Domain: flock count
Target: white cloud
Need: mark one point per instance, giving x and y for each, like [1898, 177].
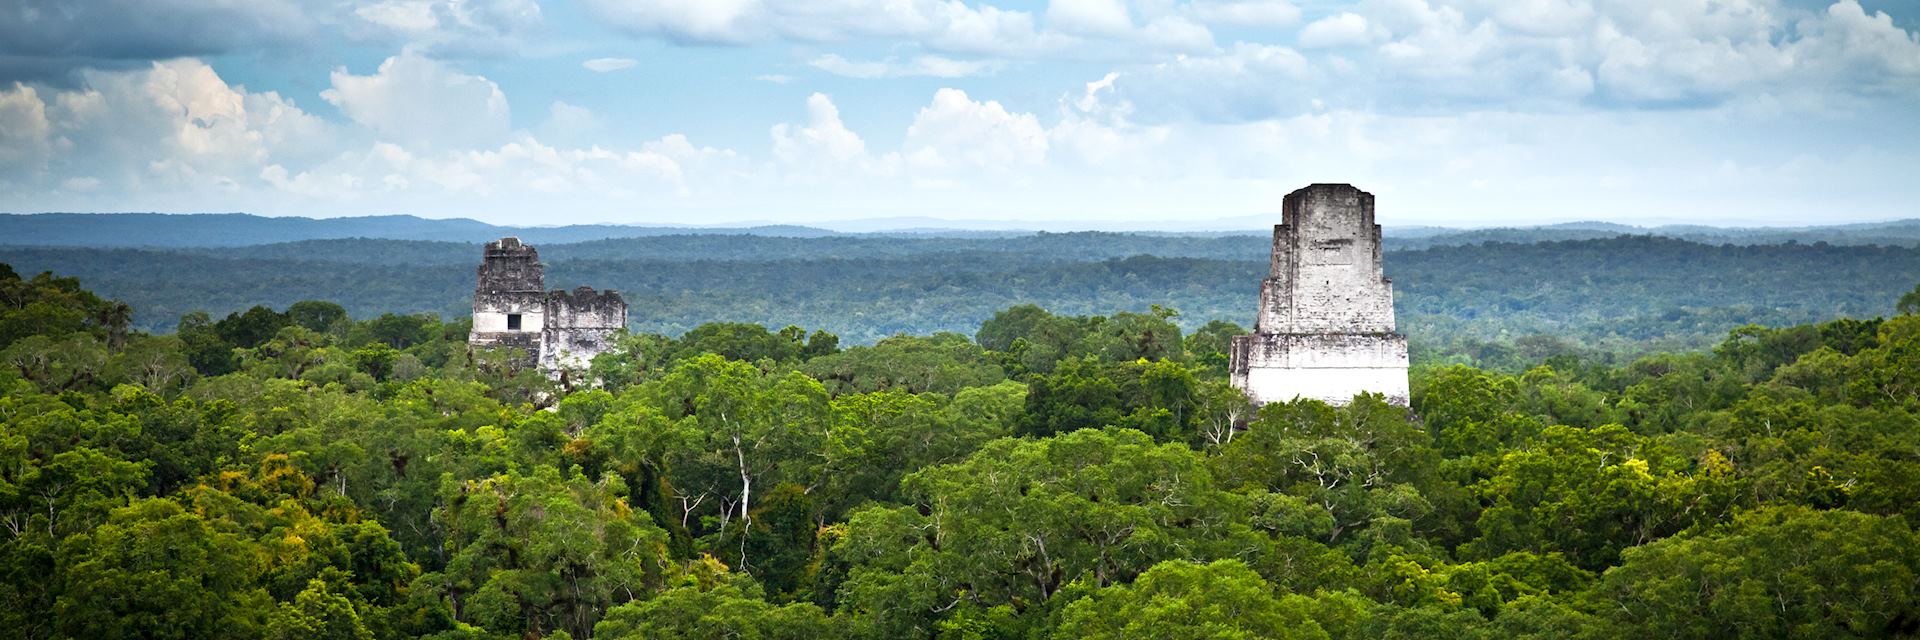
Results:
[178, 124]
[929, 66]
[24, 131]
[66, 33]
[686, 21]
[171, 126]
[447, 21]
[604, 65]
[956, 131]
[1176, 34]
[48, 38]
[1527, 55]
[1098, 133]
[823, 138]
[1102, 29]
[944, 24]
[1248, 82]
[1855, 46]
[568, 123]
[1339, 30]
[176, 136]
[1544, 102]
[683, 152]
[1090, 17]
[521, 170]
[1250, 13]
[416, 100]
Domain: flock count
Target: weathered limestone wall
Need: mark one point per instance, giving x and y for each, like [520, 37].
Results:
[1325, 328]
[1326, 274]
[581, 324]
[558, 329]
[1330, 368]
[510, 280]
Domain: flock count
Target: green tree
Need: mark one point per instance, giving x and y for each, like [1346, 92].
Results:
[1588, 494]
[745, 432]
[1771, 573]
[54, 306]
[944, 363]
[210, 354]
[1019, 520]
[728, 611]
[158, 363]
[1211, 346]
[157, 571]
[318, 316]
[69, 363]
[545, 551]
[247, 330]
[396, 330]
[1157, 397]
[1180, 600]
[740, 341]
[317, 614]
[1360, 463]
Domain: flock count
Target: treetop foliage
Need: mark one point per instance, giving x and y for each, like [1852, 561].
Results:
[300, 473]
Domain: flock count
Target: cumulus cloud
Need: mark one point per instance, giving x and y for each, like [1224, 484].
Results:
[174, 125]
[24, 131]
[454, 26]
[1097, 132]
[176, 136]
[1073, 28]
[1250, 13]
[1528, 55]
[570, 123]
[1090, 17]
[957, 131]
[1248, 82]
[685, 21]
[604, 65]
[929, 66]
[954, 140]
[1175, 34]
[1339, 30]
[84, 32]
[45, 39]
[520, 170]
[823, 138]
[1423, 98]
[420, 101]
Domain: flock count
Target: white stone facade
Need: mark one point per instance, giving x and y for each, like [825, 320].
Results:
[1325, 328]
[556, 330]
[581, 324]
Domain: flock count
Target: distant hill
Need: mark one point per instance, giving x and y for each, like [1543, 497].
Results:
[228, 230]
[1899, 233]
[169, 230]
[1621, 293]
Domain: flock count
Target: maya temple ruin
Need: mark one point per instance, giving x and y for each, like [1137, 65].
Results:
[556, 330]
[1324, 330]
[1325, 327]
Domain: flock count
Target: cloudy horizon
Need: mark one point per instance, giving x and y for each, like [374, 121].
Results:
[519, 112]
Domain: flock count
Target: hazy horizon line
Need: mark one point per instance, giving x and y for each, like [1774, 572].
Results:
[913, 223]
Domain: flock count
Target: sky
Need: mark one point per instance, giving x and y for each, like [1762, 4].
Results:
[538, 112]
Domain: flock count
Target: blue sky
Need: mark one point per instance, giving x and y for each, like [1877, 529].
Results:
[1455, 112]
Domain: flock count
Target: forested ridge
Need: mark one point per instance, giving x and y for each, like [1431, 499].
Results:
[1497, 305]
[292, 472]
[227, 230]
